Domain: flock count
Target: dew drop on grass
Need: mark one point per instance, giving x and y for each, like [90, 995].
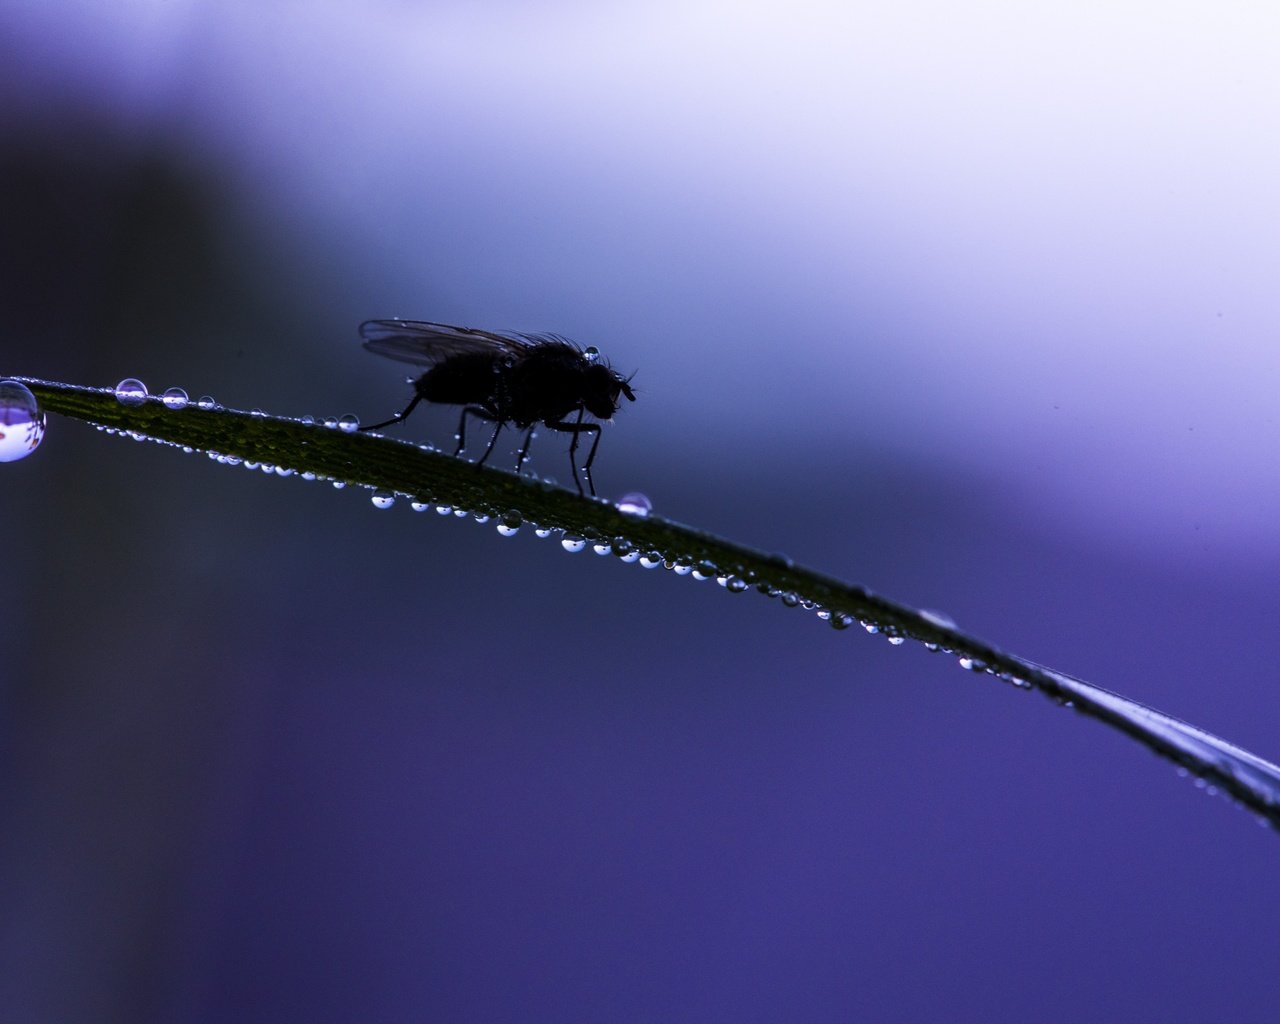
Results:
[206, 402]
[131, 391]
[381, 499]
[736, 584]
[444, 510]
[349, 423]
[634, 504]
[841, 620]
[939, 619]
[572, 544]
[419, 506]
[174, 398]
[509, 524]
[651, 561]
[602, 548]
[21, 421]
[542, 532]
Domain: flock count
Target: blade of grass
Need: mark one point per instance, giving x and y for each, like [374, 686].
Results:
[397, 467]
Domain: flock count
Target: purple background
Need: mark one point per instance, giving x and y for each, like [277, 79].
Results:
[975, 305]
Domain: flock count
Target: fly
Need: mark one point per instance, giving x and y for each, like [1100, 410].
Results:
[521, 379]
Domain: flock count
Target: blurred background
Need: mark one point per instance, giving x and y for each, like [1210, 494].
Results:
[973, 304]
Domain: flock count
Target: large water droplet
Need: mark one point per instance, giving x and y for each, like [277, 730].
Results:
[418, 505]
[174, 398]
[939, 619]
[572, 544]
[634, 504]
[381, 499]
[841, 620]
[206, 402]
[651, 561]
[349, 423]
[509, 524]
[735, 584]
[131, 391]
[602, 547]
[21, 421]
[591, 354]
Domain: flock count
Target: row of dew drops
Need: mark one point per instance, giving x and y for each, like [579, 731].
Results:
[22, 426]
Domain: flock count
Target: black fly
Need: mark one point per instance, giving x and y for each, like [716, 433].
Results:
[524, 379]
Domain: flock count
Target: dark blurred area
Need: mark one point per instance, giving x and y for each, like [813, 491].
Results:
[268, 753]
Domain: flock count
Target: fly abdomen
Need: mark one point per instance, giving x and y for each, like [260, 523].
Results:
[469, 379]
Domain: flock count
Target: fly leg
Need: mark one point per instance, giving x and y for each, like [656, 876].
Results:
[483, 414]
[397, 417]
[577, 429]
[524, 450]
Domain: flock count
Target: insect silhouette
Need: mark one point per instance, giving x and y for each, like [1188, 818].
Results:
[522, 379]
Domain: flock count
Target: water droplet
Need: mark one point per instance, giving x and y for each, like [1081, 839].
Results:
[349, 423]
[383, 500]
[681, 570]
[308, 421]
[21, 421]
[509, 524]
[257, 414]
[591, 354]
[572, 544]
[602, 548]
[939, 619]
[131, 391]
[736, 585]
[460, 513]
[897, 641]
[419, 506]
[174, 398]
[629, 557]
[284, 471]
[634, 504]
[651, 561]
[339, 484]
[824, 614]
[871, 628]
[330, 423]
[973, 664]
[542, 532]
[790, 599]
[481, 517]
[206, 403]
[841, 620]
[250, 464]
[444, 510]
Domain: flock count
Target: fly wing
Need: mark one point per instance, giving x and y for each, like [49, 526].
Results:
[425, 344]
